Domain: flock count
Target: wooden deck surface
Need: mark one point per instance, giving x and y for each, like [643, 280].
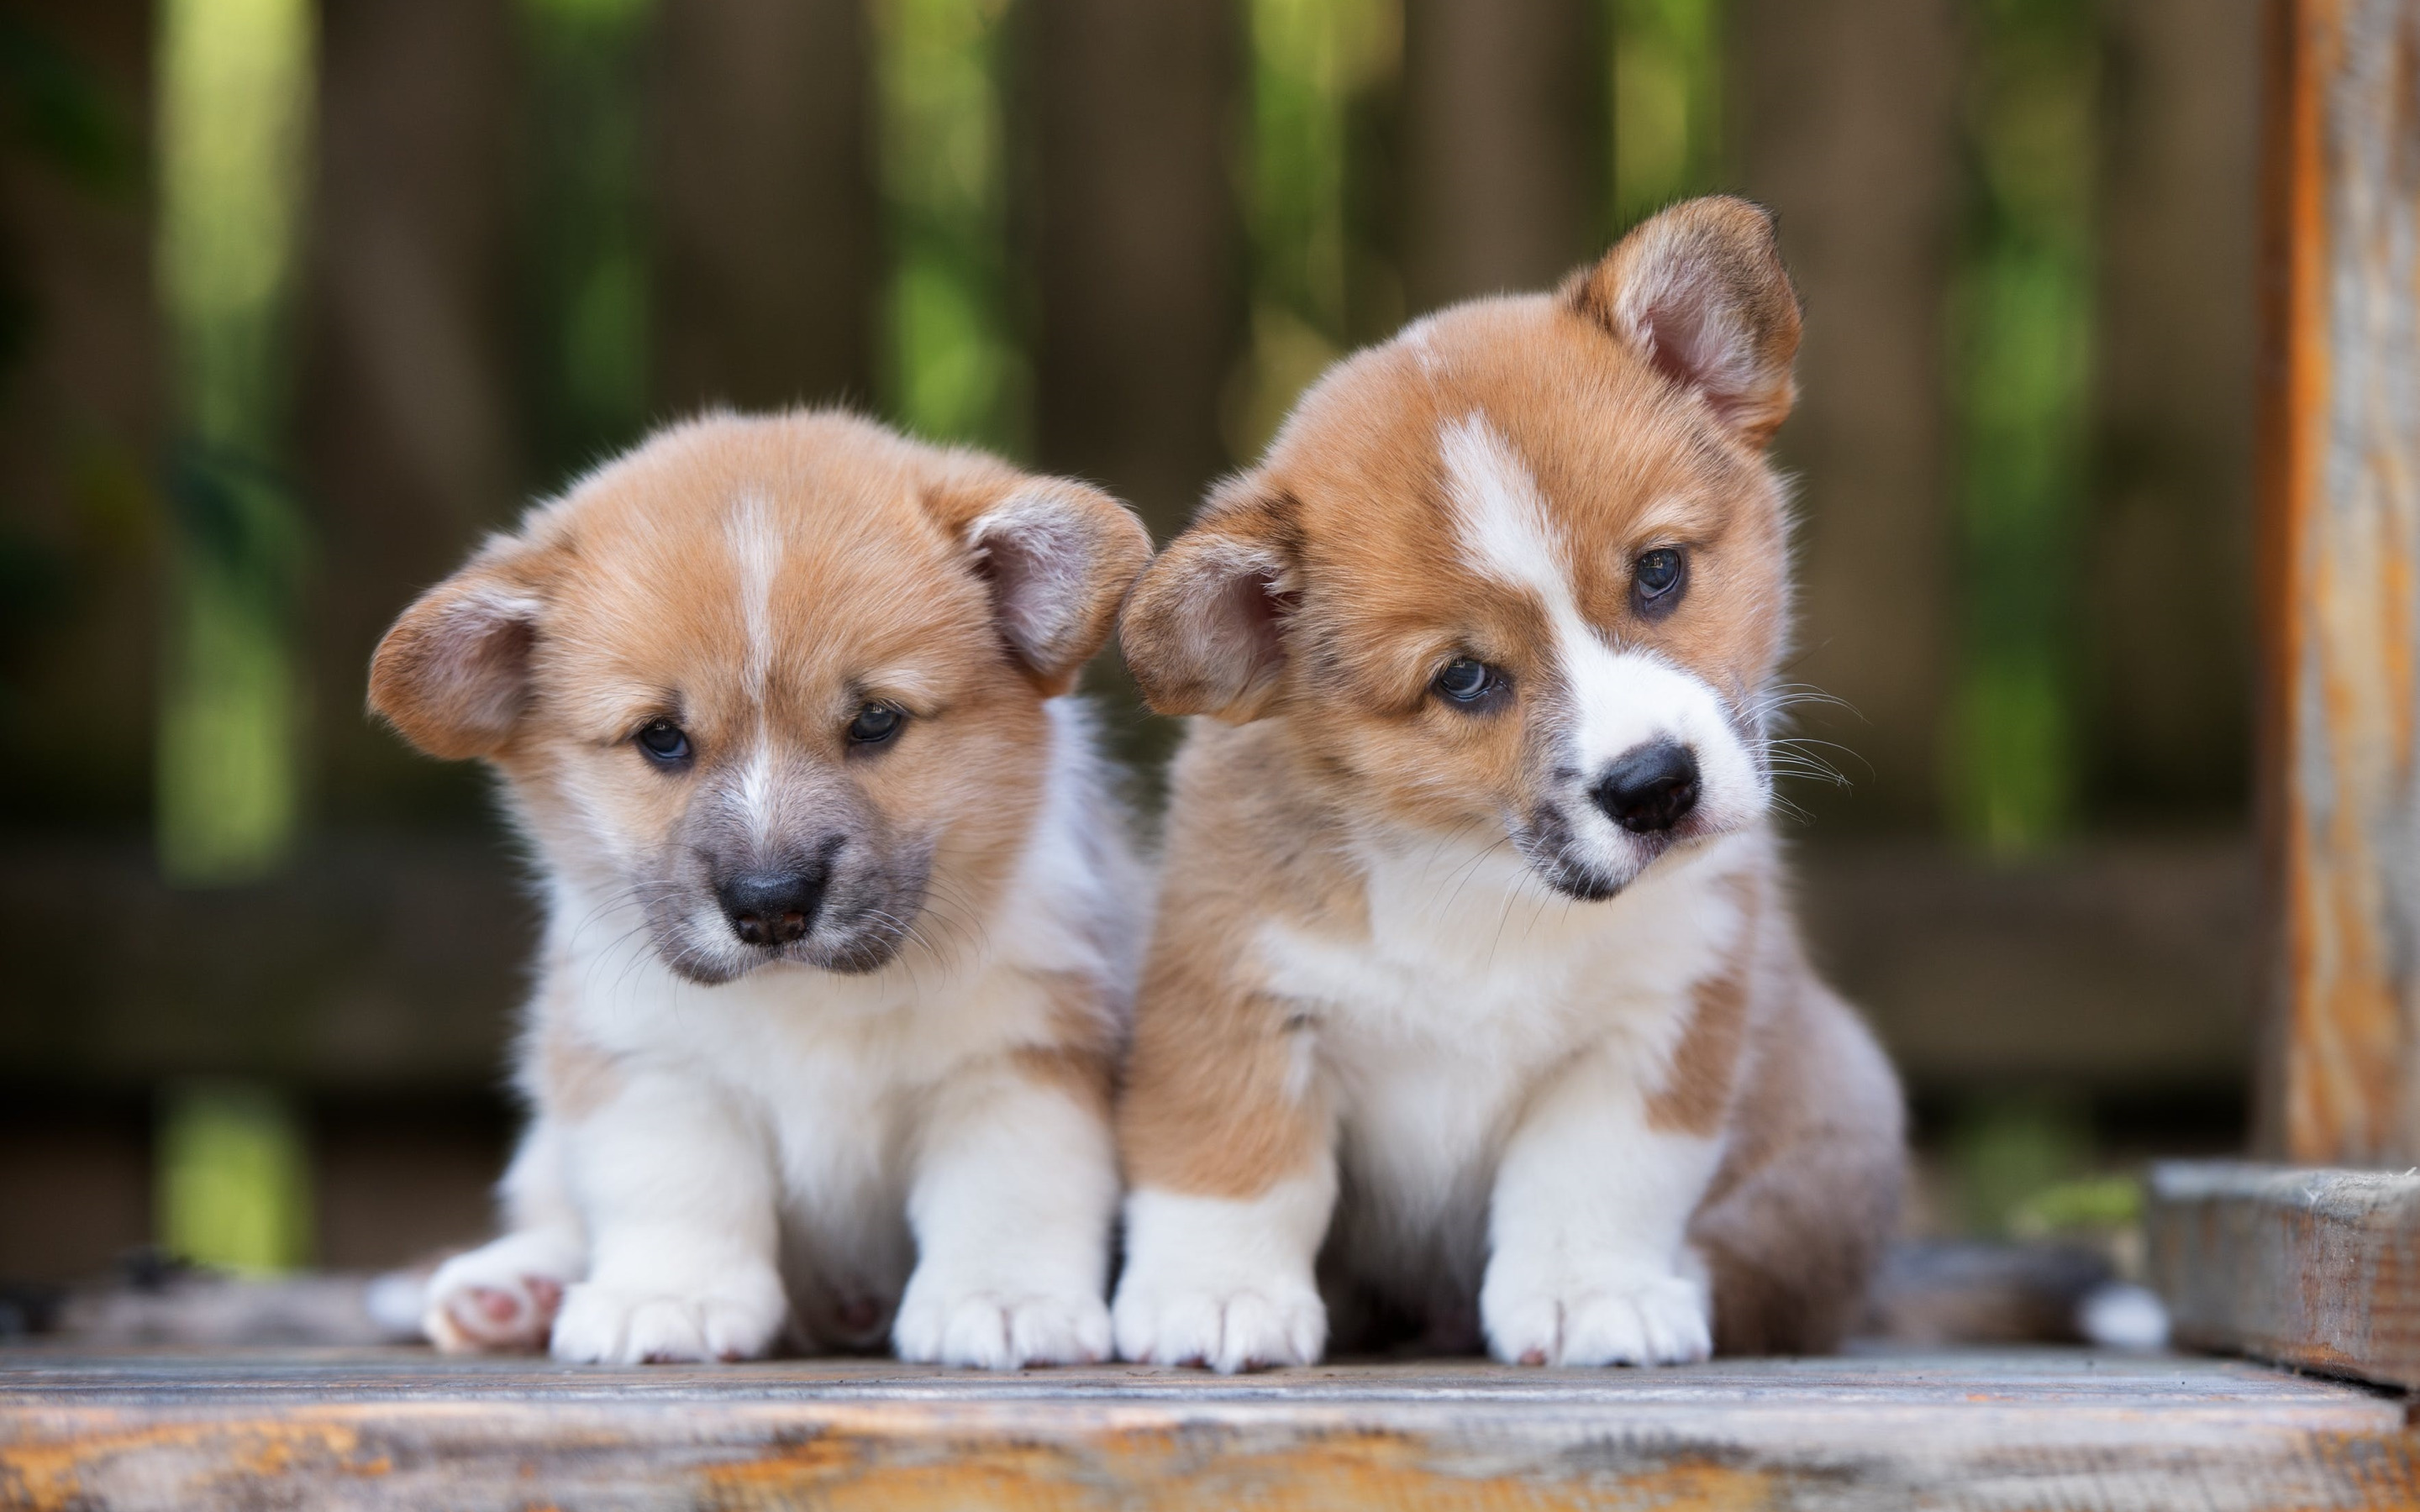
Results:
[404, 1430]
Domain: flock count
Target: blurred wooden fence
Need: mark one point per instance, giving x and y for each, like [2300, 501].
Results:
[1113, 239]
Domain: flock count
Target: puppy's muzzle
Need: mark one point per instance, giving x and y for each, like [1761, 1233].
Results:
[1649, 788]
[771, 909]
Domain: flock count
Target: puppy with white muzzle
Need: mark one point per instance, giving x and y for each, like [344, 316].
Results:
[839, 904]
[1475, 1011]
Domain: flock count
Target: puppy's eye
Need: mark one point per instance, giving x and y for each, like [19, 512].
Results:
[873, 724]
[664, 742]
[1467, 681]
[1657, 576]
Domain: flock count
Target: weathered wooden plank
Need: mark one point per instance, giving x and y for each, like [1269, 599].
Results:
[2318, 1269]
[2340, 551]
[408, 1431]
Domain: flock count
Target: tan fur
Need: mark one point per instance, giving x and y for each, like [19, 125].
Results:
[1224, 1125]
[1086, 1041]
[1696, 1095]
[1309, 607]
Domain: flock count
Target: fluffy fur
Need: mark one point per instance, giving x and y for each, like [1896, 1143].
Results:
[889, 1118]
[1428, 1043]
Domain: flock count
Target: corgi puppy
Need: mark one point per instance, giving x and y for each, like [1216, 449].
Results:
[837, 956]
[1475, 1000]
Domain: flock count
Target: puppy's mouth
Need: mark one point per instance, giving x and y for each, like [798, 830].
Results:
[1579, 869]
[851, 926]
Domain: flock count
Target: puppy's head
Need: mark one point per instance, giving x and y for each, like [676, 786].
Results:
[1524, 566]
[770, 682]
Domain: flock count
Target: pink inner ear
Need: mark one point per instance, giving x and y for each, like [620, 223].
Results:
[1249, 612]
[1039, 560]
[1680, 328]
[480, 659]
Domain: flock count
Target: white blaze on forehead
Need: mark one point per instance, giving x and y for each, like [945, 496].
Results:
[1509, 536]
[756, 542]
[1620, 698]
[1503, 516]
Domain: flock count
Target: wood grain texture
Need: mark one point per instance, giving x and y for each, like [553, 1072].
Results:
[405, 1430]
[2340, 557]
[2318, 1269]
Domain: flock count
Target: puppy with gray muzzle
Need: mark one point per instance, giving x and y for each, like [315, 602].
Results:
[839, 902]
[1475, 1009]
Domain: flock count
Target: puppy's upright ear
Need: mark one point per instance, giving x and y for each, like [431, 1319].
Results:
[1204, 632]
[1060, 557]
[1699, 292]
[453, 673]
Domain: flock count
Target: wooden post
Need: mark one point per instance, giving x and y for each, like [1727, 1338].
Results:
[2166, 715]
[2318, 1267]
[1501, 122]
[407, 419]
[2340, 568]
[1134, 242]
[764, 191]
[1847, 122]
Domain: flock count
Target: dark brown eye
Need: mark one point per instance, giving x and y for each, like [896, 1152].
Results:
[873, 724]
[1467, 681]
[664, 742]
[1657, 576]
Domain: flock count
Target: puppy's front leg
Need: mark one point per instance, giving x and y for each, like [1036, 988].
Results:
[1586, 1229]
[1014, 1187]
[677, 1188]
[1233, 1167]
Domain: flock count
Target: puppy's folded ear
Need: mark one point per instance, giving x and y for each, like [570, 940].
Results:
[1204, 631]
[452, 674]
[1699, 292]
[1060, 557]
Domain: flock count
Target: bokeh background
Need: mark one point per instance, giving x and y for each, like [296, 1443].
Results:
[298, 297]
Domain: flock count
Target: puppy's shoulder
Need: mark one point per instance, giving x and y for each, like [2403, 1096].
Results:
[1248, 831]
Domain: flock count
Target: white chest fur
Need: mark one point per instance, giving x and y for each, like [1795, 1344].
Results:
[1473, 986]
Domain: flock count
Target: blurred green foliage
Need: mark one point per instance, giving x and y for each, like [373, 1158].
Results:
[953, 366]
[2085, 1204]
[2004, 1152]
[236, 87]
[2022, 331]
[1667, 102]
[1320, 69]
[234, 1188]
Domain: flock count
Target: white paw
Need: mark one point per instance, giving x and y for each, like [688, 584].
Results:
[998, 1327]
[501, 1296]
[1595, 1319]
[735, 1318]
[1240, 1328]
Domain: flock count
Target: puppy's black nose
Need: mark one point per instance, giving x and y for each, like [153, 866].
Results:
[1651, 789]
[771, 907]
